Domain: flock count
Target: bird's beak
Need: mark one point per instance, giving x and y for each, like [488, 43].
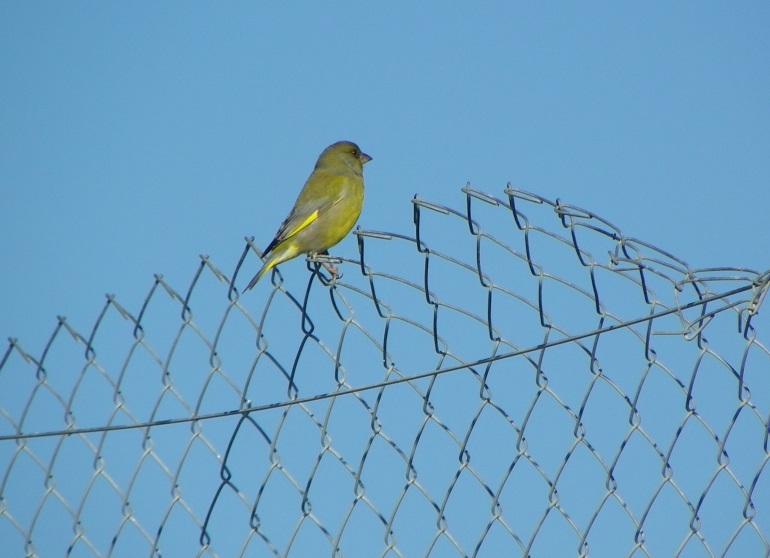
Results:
[365, 158]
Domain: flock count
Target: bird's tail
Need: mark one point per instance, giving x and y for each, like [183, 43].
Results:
[282, 252]
[269, 264]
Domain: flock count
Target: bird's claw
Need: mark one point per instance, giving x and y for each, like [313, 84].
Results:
[325, 261]
[332, 269]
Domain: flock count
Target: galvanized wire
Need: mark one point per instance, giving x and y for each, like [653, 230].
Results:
[518, 378]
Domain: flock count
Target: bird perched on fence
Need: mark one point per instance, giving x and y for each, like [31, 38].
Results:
[327, 207]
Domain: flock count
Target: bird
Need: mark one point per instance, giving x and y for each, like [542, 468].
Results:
[326, 209]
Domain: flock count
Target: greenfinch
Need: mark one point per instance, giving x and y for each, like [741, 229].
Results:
[327, 207]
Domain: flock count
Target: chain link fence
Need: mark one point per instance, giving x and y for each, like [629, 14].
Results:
[516, 379]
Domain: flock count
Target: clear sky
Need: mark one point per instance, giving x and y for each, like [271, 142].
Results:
[134, 137]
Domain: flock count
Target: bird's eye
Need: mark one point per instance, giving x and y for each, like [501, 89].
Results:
[356, 154]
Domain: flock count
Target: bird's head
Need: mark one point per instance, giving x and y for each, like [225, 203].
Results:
[345, 153]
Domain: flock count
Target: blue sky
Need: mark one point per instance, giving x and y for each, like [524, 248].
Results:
[134, 137]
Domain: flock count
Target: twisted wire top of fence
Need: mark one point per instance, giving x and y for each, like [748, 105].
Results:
[515, 378]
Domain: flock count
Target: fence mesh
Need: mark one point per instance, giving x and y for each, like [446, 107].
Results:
[516, 379]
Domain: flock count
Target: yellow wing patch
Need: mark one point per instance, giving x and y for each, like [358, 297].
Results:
[310, 218]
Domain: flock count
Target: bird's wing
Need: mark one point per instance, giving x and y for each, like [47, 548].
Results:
[304, 212]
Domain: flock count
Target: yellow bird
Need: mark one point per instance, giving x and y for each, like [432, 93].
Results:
[327, 207]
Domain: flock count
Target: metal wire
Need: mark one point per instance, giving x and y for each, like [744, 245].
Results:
[516, 379]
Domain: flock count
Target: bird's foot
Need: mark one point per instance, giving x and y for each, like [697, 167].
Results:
[332, 269]
[327, 262]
